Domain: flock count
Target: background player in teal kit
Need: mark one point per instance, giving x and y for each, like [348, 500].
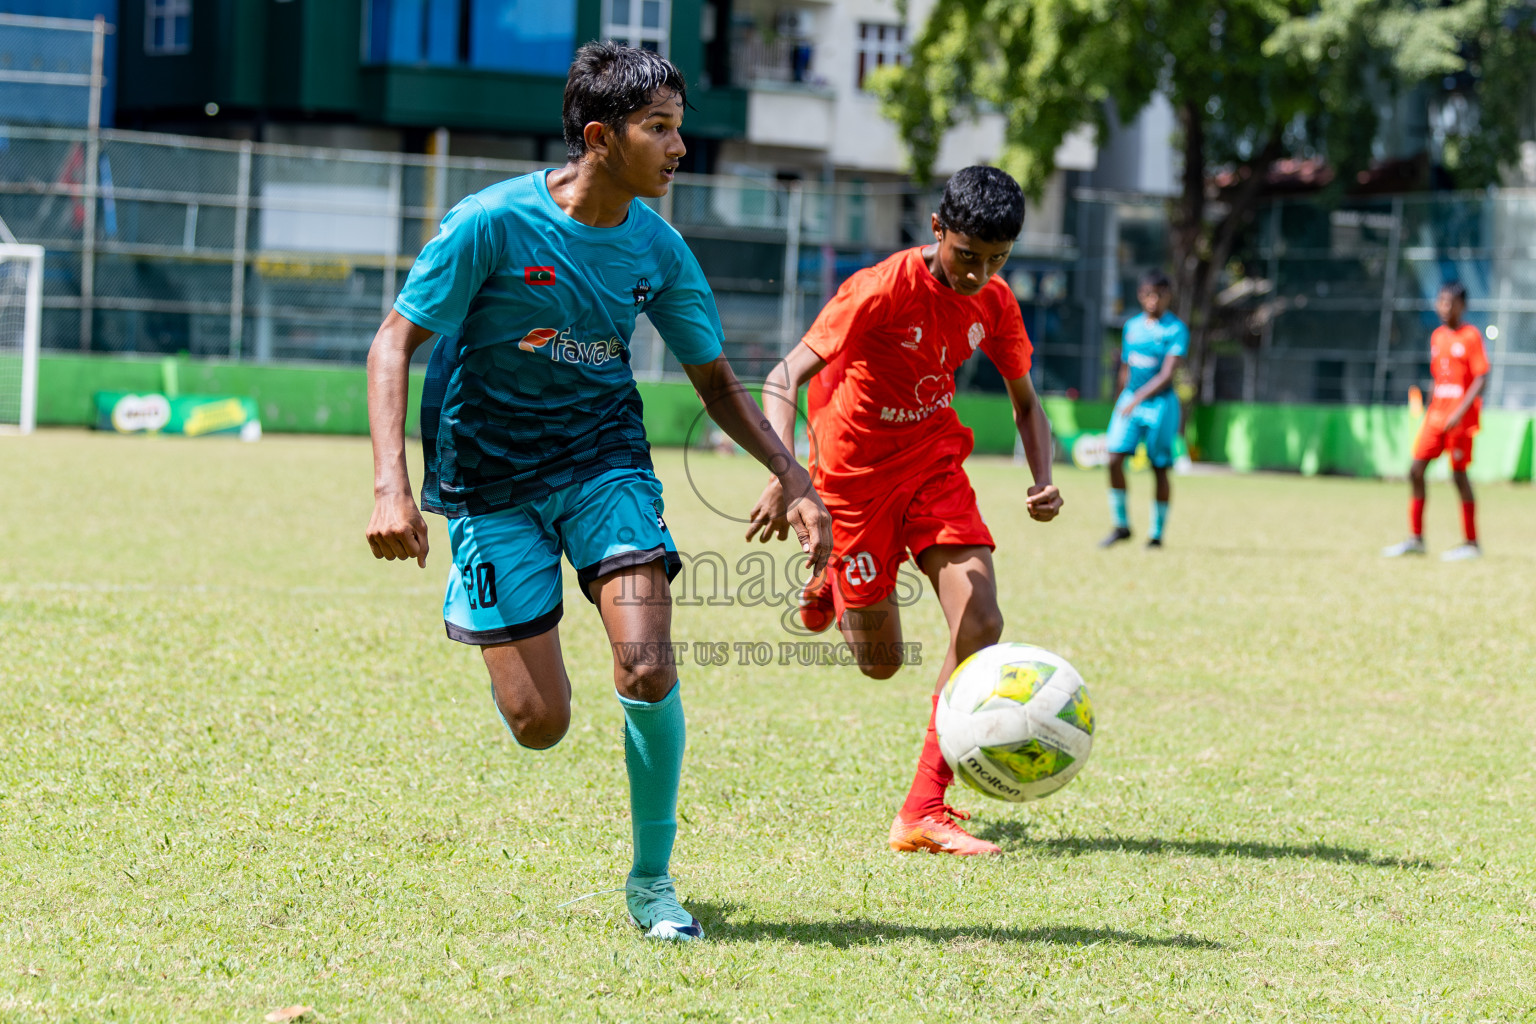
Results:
[532, 431]
[1147, 411]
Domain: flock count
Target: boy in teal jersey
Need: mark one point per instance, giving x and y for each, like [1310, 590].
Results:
[1147, 411]
[532, 431]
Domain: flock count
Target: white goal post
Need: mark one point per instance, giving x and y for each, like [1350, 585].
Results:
[21, 325]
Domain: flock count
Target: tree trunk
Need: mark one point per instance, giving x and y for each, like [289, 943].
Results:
[1190, 219]
[1240, 205]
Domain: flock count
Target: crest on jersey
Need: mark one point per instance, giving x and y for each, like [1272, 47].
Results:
[641, 292]
[914, 338]
[976, 335]
[1458, 350]
[933, 389]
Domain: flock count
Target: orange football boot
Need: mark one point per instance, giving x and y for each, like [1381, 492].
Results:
[816, 611]
[938, 832]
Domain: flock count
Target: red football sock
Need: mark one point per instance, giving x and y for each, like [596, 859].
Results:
[933, 776]
[1469, 520]
[1416, 516]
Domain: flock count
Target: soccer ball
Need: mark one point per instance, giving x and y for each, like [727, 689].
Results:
[1014, 722]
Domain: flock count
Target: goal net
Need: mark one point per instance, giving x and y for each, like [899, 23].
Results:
[21, 308]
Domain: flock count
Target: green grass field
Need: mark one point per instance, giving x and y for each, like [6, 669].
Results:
[244, 769]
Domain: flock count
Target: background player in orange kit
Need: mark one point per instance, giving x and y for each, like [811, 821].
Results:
[887, 450]
[1460, 368]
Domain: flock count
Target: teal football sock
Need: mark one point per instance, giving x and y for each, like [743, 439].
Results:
[653, 756]
[1159, 518]
[1117, 508]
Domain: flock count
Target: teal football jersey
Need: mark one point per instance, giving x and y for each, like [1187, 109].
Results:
[1147, 343]
[529, 387]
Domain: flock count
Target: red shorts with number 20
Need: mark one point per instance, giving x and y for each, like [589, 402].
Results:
[871, 538]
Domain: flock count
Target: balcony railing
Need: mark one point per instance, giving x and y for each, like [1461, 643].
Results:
[785, 60]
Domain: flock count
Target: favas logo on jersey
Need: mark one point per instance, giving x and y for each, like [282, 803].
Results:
[538, 275]
[568, 349]
[537, 338]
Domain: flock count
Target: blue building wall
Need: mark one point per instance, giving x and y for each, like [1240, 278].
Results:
[528, 36]
[55, 50]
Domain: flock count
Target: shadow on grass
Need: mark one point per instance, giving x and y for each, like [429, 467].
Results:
[858, 931]
[1015, 834]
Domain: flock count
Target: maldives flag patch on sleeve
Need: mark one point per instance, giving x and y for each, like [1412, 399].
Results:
[538, 275]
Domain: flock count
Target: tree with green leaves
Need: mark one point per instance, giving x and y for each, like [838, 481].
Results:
[1252, 82]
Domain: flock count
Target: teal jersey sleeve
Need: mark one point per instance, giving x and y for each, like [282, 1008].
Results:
[450, 271]
[1178, 339]
[684, 311]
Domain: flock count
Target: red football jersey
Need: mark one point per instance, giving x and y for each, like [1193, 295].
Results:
[1456, 357]
[892, 338]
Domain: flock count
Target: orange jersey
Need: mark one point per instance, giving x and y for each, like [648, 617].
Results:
[1456, 358]
[892, 338]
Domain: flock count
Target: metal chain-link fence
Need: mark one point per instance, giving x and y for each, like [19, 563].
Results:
[262, 252]
[1334, 301]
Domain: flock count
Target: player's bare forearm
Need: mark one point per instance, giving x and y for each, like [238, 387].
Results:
[1034, 429]
[781, 390]
[768, 519]
[781, 394]
[1159, 383]
[389, 360]
[731, 406]
[1473, 392]
[396, 529]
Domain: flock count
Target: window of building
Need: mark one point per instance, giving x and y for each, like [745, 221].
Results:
[167, 27]
[532, 36]
[643, 23]
[880, 45]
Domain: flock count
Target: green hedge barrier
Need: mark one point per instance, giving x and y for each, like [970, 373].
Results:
[292, 399]
[1309, 439]
[1372, 440]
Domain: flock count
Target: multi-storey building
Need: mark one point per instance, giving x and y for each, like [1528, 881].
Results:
[483, 77]
[805, 65]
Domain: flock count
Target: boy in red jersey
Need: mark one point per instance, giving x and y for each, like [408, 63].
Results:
[887, 452]
[1460, 368]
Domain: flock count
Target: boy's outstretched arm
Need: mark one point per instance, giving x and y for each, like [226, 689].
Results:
[781, 398]
[1044, 499]
[396, 529]
[1159, 382]
[731, 406]
[1473, 393]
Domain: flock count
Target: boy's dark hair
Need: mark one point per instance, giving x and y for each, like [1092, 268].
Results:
[607, 83]
[984, 203]
[1155, 279]
[1455, 289]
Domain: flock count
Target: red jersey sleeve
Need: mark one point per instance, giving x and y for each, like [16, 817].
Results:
[1008, 345]
[1477, 358]
[858, 306]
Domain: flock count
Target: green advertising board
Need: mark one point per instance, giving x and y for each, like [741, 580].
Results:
[152, 412]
